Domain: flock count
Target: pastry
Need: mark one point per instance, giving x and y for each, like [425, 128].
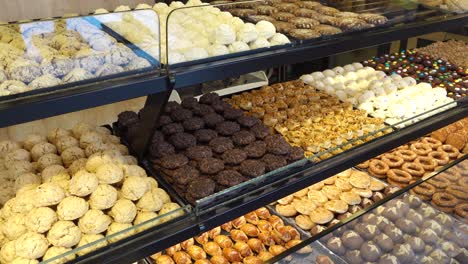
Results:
[64, 234]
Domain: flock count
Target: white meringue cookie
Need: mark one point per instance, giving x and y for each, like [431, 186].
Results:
[260, 43]
[367, 106]
[217, 50]
[238, 46]
[351, 76]
[357, 65]
[329, 73]
[339, 79]
[328, 81]
[329, 90]
[318, 75]
[349, 68]
[195, 53]
[366, 96]
[339, 70]
[265, 29]
[235, 22]
[396, 111]
[361, 73]
[379, 91]
[341, 95]
[247, 33]
[390, 88]
[224, 35]
[410, 81]
[279, 39]
[307, 78]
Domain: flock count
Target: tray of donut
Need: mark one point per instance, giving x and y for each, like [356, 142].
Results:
[253, 238]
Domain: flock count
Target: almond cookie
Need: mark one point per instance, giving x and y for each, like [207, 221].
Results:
[283, 16]
[286, 7]
[286, 210]
[304, 206]
[304, 222]
[360, 180]
[318, 197]
[332, 192]
[321, 216]
[337, 206]
[350, 198]
[303, 22]
[304, 34]
[283, 27]
[330, 180]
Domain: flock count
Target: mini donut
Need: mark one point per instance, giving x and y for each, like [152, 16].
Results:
[462, 210]
[463, 181]
[434, 143]
[439, 182]
[425, 189]
[461, 192]
[444, 199]
[399, 176]
[363, 165]
[428, 164]
[450, 150]
[406, 154]
[440, 157]
[415, 169]
[421, 149]
[378, 168]
[452, 175]
[393, 160]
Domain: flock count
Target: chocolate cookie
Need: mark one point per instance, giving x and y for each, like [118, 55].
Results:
[209, 98]
[230, 178]
[243, 138]
[183, 140]
[221, 144]
[189, 102]
[220, 106]
[202, 109]
[201, 187]
[247, 121]
[211, 165]
[199, 152]
[354, 257]
[193, 123]
[212, 119]
[127, 118]
[171, 106]
[252, 168]
[394, 233]
[296, 153]
[227, 128]
[256, 149]
[173, 161]
[172, 128]
[260, 131]
[232, 114]
[181, 114]
[234, 156]
[276, 144]
[205, 135]
[406, 225]
[158, 150]
[404, 253]
[370, 251]
[273, 162]
[384, 242]
[352, 240]
[185, 174]
[416, 243]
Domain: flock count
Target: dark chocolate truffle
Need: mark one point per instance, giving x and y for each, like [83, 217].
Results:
[385, 242]
[370, 251]
[273, 162]
[199, 152]
[367, 231]
[406, 225]
[212, 119]
[252, 168]
[256, 149]
[189, 102]
[354, 257]
[416, 243]
[229, 178]
[193, 123]
[234, 156]
[164, 120]
[211, 165]
[220, 106]
[183, 140]
[414, 216]
[394, 233]
[336, 245]
[227, 128]
[172, 128]
[173, 161]
[221, 144]
[158, 137]
[205, 135]
[388, 259]
[243, 138]
[404, 253]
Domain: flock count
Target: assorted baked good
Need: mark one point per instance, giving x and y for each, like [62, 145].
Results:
[70, 188]
[393, 98]
[424, 68]
[203, 147]
[308, 118]
[330, 201]
[403, 230]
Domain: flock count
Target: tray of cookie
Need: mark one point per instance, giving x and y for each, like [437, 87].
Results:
[403, 230]
[253, 238]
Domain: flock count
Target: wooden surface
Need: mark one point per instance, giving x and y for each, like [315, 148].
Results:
[13, 10]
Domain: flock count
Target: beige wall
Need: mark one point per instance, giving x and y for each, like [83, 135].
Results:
[12, 10]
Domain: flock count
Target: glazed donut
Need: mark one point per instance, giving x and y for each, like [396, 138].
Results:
[425, 189]
[392, 160]
[444, 199]
[439, 182]
[363, 165]
[460, 192]
[462, 210]
[428, 164]
[450, 150]
[414, 169]
[440, 157]
[406, 154]
[434, 143]
[452, 175]
[400, 176]
[463, 181]
[378, 168]
[421, 149]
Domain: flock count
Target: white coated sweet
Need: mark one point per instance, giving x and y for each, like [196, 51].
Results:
[217, 50]
[247, 33]
[224, 35]
[260, 43]
[279, 39]
[265, 29]
[195, 53]
[238, 46]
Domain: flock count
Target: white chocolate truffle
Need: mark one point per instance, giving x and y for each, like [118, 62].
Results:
[17, 155]
[133, 170]
[103, 197]
[72, 208]
[62, 143]
[59, 251]
[150, 202]
[31, 245]
[224, 35]
[48, 194]
[162, 194]
[260, 43]
[134, 187]
[52, 171]
[8, 146]
[119, 227]
[88, 239]
[41, 219]
[83, 183]
[279, 39]
[109, 173]
[217, 50]
[124, 211]
[26, 179]
[14, 226]
[238, 46]
[145, 217]
[94, 222]
[71, 154]
[89, 137]
[77, 165]
[55, 133]
[8, 252]
[176, 4]
[48, 160]
[64, 234]
[41, 149]
[265, 29]
[32, 140]
[247, 33]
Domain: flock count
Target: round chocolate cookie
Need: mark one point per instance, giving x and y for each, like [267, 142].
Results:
[211, 165]
[220, 106]
[221, 144]
[171, 106]
[276, 144]
[164, 120]
[193, 123]
[173, 161]
[394, 233]
[127, 118]
[273, 162]
[234, 156]
[212, 119]
[158, 137]
[172, 128]
[209, 98]
[189, 102]
[243, 138]
[252, 168]
[205, 135]
[158, 150]
[232, 114]
[297, 153]
[199, 152]
[181, 114]
[183, 140]
[388, 259]
[384, 242]
[354, 257]
[336, 245]
[202, 109]
[260, 131]
[227, 128]
[370, 251]
[416, 243]
[185, 174]
[406, 225]
[201, 187]
[404, 253]
[230, 178]
[247, 121]
[366, 231]
[256, 149]
[352, 240]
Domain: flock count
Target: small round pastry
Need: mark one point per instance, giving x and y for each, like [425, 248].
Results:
[104, 197]
[406, 225]
[41, 149]
[133, 188]
[388, 259]
[123, 211]
[109, 173]
[33, 139]
[394, 233]
[210, 165]
[433, 225]
[391, 213]
[370, 251]
[47, 160]
[336, 245]
[221, 144]
[352, 240]
[366, 231]
[133, 170]
[48, 194]
[31, 245]
[72, 208]
[88, 239]
[384, 242]
[354, 257]
[172, 128]
[54, 251]
[416, 243]
[150, 202]
[415, 217]
[17, 155]
[64, 234]
[71, 154]
[94, 222]
[116, 228]
[83, 183]
[404, 253]
[41, 219]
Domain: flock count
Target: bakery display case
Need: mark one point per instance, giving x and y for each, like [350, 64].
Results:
[298, 170]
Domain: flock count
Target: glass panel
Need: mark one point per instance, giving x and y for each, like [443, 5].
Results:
[120, 232]
[46, 55]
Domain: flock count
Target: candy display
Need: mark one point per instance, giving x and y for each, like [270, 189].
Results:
[424, 68]
[403, 230]
[306, 117]
[453, 51]
[205, 146]
[71, 188]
